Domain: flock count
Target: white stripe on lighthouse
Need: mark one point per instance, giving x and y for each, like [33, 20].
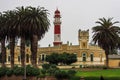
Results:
[57, 38]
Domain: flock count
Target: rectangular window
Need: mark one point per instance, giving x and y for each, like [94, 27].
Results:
[91, 57]
[9, 58]
[84, 59]
[18, 58]
[27, 58]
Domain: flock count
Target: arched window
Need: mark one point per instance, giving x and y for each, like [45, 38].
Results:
[84, 57]
[91, 57]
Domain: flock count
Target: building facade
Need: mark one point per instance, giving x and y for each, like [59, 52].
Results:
[86, 54]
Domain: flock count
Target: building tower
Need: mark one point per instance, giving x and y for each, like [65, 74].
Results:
[83, 37]
[57, 28]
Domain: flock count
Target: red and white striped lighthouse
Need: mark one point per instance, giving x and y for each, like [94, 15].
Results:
[57, 28]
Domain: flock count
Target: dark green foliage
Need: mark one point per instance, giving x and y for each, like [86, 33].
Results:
[46, 66]
[74, 78]
[53, 68]
[18, 70]
[64, 58]
[43, 71]
[31, 71]
[49, 69]
[53, 58]
[9, 72]
[29, 24]
[3, 71]
[61, 75]
[71, 72]
[68, 58]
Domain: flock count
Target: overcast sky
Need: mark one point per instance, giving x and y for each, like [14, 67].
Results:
[76, 14]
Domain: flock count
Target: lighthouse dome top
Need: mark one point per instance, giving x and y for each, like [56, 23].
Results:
[57, 11]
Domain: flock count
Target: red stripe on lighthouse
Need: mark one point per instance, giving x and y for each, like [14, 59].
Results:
[57, 29]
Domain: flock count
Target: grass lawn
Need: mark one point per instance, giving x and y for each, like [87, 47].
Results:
[108, 74]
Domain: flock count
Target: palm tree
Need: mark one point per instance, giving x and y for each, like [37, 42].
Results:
[37, 24]
[22, 30]
[3, 35]
[12, 32]
[106, 35]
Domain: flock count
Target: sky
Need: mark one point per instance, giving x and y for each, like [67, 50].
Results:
[75, 15]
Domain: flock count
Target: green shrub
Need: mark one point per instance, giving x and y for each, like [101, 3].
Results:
[43, 71]
[31, 71]
[49, 69]
[3, 71]
[18, 70]
[61, 75]
[35, 72]
[9, 72]
[52, 71]
[41, 76]
[71, 72]
[46, 66]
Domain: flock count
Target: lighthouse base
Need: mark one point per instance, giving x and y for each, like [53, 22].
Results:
[57, 43]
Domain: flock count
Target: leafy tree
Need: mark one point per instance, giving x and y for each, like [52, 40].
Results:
[106, 35]
[67, 58]
[71, 58]
[53, 58]
[64, 58]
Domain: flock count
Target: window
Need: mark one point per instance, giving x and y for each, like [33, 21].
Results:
[84, 57]
[9, 58]
[19, 58]
[27, 58]
[43, 57]
[39, 59]
[91, 57]
[84, 45]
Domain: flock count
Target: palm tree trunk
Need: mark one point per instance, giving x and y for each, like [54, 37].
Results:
[3, 52]
[22, 51]
[31, 57]
[12, 46]
[107, 60]
[34, 45]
